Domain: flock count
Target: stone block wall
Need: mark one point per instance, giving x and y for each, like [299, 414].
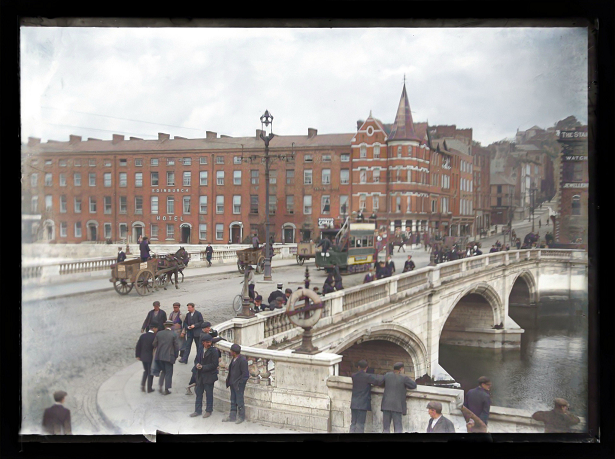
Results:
[380, 355]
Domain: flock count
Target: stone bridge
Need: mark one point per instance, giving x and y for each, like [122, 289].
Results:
[401, 318]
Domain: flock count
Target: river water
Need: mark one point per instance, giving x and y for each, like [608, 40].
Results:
[552, 361]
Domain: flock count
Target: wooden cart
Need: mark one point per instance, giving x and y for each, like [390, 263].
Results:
[251, 257]
[144, 276]
[305, 251]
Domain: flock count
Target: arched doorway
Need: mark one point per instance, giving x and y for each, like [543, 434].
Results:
[186, 231]
[49, 230]
[236, 232]
[138, 229]
[288, 232]
[92, 230]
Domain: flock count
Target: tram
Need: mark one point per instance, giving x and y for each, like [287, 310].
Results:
[352, 247]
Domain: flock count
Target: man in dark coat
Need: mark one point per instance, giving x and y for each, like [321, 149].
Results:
[325, 245]
[206, 374]
[437, 422]
[409, 264]
[237, 378]
[369, 277]
[121, 256]
[255, 241]
[328, 285]
[144, 249]
[478, 400]
[209, 253]
[145, 353]
[559, 419]
[276, 293]
[56, 419]
[381, 270]
[361, 401]
[167, 350]
[390, 267]
[337, 277]
[191, 329]
[393, 404]
[155, 315]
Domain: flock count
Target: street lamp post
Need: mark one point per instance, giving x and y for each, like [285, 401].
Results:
[267, 122]
[532, 193]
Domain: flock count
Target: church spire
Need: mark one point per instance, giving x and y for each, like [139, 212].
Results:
[403, 128]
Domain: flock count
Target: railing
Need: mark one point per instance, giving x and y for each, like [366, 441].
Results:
[408, 281]
[88, 265]
[31, 272]
[362, 296]
[448, 271]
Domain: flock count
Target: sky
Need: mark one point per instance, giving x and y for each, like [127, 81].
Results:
[95, 82]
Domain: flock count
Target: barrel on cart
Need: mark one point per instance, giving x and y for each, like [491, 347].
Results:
[251, 257]
[144, 276]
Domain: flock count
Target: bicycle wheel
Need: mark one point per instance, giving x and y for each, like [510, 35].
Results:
[237, 304]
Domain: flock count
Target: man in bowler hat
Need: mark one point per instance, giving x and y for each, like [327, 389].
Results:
[393, 404]
[361, 401]
[206, 374]
[437, 422]
[237, 378]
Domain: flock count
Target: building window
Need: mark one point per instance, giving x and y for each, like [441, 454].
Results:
[307, 177]
[290, 204]
[63, 204]
[123, 162]
[376, 175]
[48, 202]
[219, 231]
[202, 231]
[138, 162]
[77, 205]
[47, 162]
[154, 178]
[186, 204]
[254, 204]
[170, 161]
[139, 205]
[376, 151]
[107, 230]
[203, 204]
[187, 161]
[307, 204]
[290, 176]
[345, 157]
[92, 162]
[77, 229]
[399, 149]
[362, 202]
[63, 229]
[576, 205]
[123, 179]
[273, 204]
[62, 179]
[376, 203]
[138, 179]
[326, 158]
[236, 159]
[344, 176]
[203, 178]
[433, 205]
[220, 178]
[362, 176]
[77, 179]
[343, 204]
[154, 204]
[123, 205]
[48, 179]
[187, 178]
[219, 204]
[307, 159]
[326, 176]
[325, 204]
[203, 160]
[107, 204]
[33, 180]
[363, 151]
[170, 178]
[77, 162]
[154, 231]
[123, 230]
[107, 179]
[219, 159]
[170, 204]
[577, 172]
[34, 204]
[92, 205]
[237, 204]
[254, 177]
[273, 177]
[153, 162]
[62, 163]
[170, 231]
[236, 177]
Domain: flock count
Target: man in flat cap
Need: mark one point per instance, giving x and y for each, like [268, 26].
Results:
[478, 400]
[559, 419]
[155, 315]
[361, 401]
[144, 352]
[167, 351]
[438, 423]
[275, 294]
[206, 374]
[393, 405]
[237, 378]
[56, 419]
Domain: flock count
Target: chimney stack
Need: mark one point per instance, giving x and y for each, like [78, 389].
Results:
[117, 138]
[211, 135]
[312, 132]
[162, 136]
[74, 138]
[33, 141]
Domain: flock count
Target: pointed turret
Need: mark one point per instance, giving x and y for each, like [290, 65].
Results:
[403, 128]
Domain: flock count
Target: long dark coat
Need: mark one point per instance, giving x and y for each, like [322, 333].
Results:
[395, 385]
[209, 373]
[361, 390]
[145, 347]
[167, 346]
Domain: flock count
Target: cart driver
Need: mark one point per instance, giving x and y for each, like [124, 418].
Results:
[144, 248]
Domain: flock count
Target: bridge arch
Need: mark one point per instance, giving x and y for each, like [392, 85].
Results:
[399, 335]
[523, 290]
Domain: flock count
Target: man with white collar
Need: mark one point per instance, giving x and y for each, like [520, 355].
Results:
[438, 423]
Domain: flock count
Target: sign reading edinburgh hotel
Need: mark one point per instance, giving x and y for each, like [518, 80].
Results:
[172, 218]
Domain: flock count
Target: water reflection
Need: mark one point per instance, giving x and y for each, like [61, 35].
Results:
[551, 363]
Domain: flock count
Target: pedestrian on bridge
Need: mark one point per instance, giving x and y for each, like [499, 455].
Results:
[121, 256]
[144, 249]
[206, 374]
[155, 315]
[209, 252]
[393, 404]
[361, 401]
[478, 400]
[191, 329]
[145, 353]
[409, 264]
[559, 419]
[437, 422]
[236, 379]
[177, 317]
[369, 277]
[167, 351]
[56, 419]
[390, 267]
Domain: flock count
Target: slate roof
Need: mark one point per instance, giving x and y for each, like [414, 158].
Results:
[403, 127]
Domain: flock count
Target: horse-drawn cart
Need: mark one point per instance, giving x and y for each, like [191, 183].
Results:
[144, 276]
[251, 257]
[305, 251]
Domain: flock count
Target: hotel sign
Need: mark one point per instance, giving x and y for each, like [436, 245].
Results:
[170, 190]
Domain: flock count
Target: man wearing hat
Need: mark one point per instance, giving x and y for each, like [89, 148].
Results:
[191, 329]
[56, 419]
[438, 423]
[155, 315]
[206, 374]
[559, 419]
[393, 404]
[237, 378]
[409, 264]
[177, 317]
[144, 249]
[206, 328]
[167, 350]
[145, 353]
[361, 401]
[478, 400]
[276, 293]
[121, 256]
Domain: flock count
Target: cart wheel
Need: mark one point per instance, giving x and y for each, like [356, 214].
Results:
[260, 265]
[241, 267]
[122, 287]
[144, 282]
[237, 304]
[300, 260]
